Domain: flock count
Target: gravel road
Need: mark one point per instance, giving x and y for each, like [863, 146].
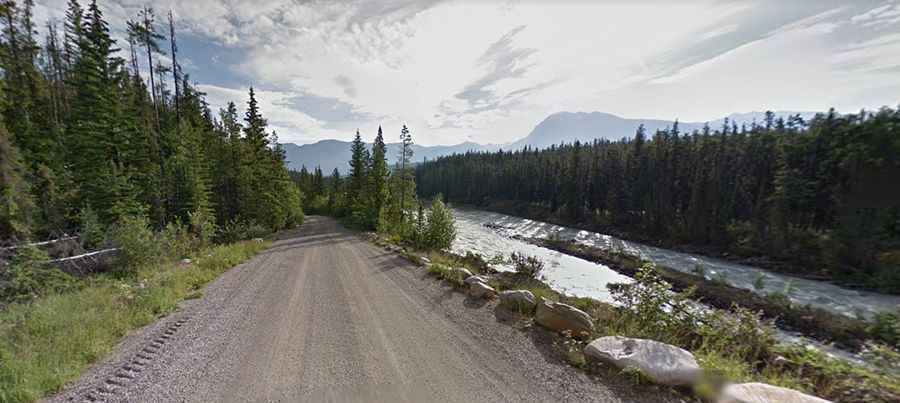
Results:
[326, 316]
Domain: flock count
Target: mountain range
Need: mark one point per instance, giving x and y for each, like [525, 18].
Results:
[562, 127]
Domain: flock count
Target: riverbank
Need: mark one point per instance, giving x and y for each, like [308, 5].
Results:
[846, 332]
[769, 263]
[739, 350]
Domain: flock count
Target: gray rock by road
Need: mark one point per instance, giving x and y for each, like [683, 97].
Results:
[561, 317]
[661, 362]
[522, 300]
[478, 289]
[764, 393]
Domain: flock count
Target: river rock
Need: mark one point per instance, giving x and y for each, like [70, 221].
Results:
[764, 393]
[561, 317]
[463, 272]
[426, 261]
[522, 300]
[661, 362]
[478, 289]
[475, 279]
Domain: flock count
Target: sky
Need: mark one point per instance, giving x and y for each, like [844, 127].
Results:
[489, 71]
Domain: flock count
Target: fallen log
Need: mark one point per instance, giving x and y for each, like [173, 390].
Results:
[87, 263]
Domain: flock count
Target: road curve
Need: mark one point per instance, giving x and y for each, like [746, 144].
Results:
[325, 316]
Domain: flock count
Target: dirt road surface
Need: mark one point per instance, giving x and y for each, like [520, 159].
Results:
[326, 316]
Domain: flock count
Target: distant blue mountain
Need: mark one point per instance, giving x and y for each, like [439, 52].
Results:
[331, 154]
[562, 127]
[566, 127]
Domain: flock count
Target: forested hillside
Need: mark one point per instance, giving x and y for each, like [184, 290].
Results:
[95, 130]
[822, 194]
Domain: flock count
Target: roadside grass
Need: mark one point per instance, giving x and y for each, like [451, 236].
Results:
[446, 273]
[50, 341]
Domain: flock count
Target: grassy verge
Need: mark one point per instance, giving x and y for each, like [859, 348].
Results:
[730, 344]
[50, 341]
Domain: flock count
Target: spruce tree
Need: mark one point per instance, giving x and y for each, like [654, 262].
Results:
[15, 196]
[96, 163]
[379, 173]
[403, 185]
[253, 155]
[359, 157]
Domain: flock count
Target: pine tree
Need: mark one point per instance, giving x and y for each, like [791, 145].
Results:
[403, 186]
[255, 146]
[92, 136]
[144, 32]
[335, 194]
[379, 173]
[73, 33]
[15, 196]
[359, 161]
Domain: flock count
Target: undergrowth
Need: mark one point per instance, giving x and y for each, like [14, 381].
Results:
[48, 342]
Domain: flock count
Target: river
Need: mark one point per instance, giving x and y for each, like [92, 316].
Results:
[578, 277]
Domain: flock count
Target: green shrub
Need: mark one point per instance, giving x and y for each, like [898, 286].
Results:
[237, 230]
[176, 240]
[318, 204]
[529, 266]
[653, 310]
[203, 227]
[699, 270]
[93, 233]
[650, 309]
[887, 326]
[452, 276]
[760, 283]
[27, 277]
[137, 242]
[441, 228]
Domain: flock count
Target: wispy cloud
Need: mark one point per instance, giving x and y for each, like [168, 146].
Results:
[456, 70]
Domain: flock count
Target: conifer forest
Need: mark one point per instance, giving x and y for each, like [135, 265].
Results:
[97, 130]
[821, 194]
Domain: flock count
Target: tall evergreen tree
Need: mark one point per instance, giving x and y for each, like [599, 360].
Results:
[403, 185]
[359, 161]
[15, 196]
[379, 173]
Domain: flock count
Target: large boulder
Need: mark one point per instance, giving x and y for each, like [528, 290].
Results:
[522, 300]
[763, 393]
[661, 362]
[481, 290]
[561, 317]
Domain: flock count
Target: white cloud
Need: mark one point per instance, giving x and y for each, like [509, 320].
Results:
[291, 124]
[409, 61]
